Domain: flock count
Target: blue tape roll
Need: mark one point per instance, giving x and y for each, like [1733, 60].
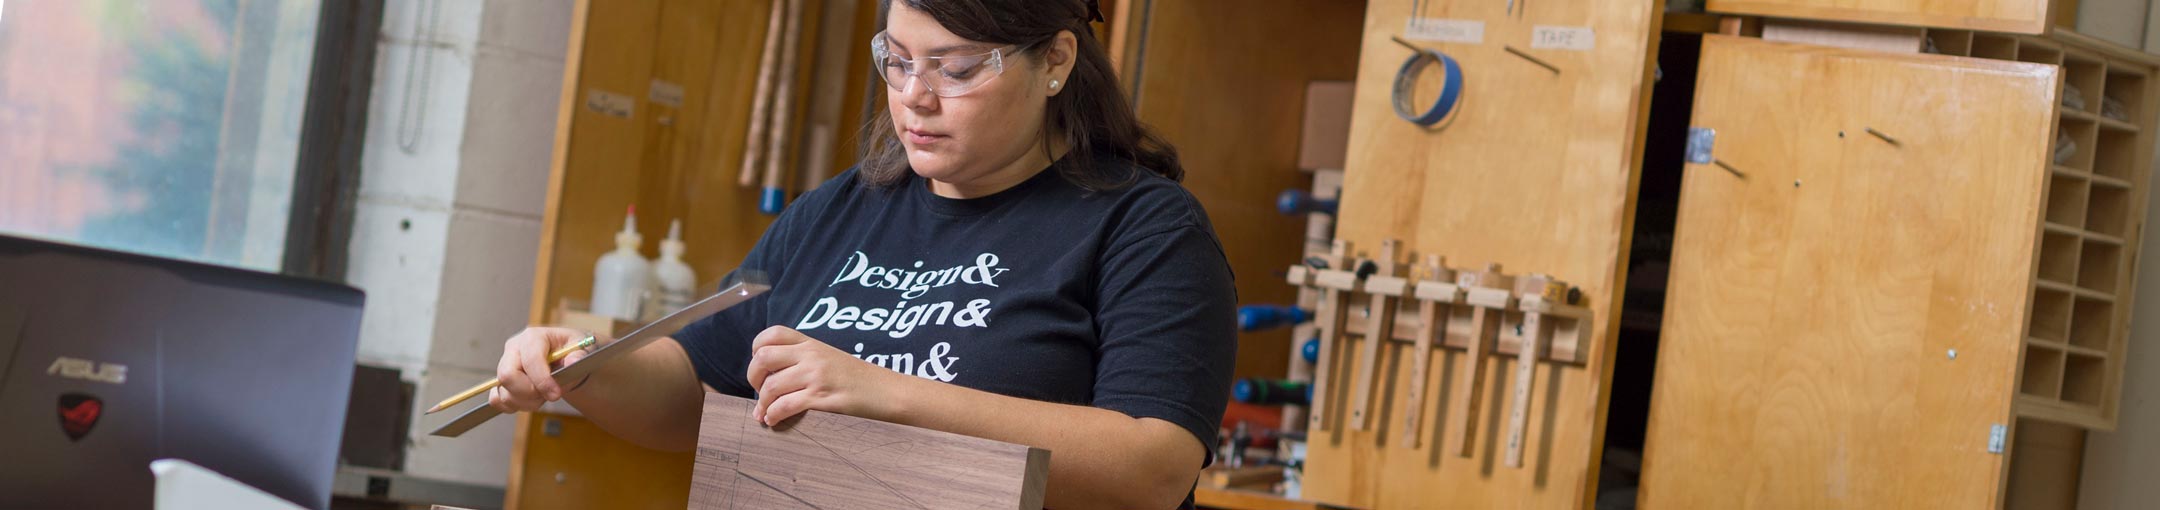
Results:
[1406, 81]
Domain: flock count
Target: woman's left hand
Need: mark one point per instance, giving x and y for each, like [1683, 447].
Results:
[794, 373]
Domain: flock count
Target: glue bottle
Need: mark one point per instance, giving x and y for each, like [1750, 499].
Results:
[677, 282]
[622, 278]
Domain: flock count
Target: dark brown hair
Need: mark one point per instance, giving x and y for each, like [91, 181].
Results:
[1092, 112]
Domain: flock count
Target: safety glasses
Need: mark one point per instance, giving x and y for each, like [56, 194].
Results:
[947, 76]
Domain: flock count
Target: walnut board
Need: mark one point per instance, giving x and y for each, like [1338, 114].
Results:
[1536, 171]
[1819, 285]
[831, 461]
[2020, 16]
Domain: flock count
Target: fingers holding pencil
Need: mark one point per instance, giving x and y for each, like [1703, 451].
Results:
[523, 376]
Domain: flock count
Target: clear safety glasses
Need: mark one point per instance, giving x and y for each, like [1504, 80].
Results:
[947, 76]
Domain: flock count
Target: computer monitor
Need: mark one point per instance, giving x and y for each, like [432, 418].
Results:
[110, 360]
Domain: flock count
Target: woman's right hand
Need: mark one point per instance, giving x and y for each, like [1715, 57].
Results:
[526, 375]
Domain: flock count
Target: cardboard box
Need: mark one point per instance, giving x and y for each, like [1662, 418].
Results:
[1326, 136]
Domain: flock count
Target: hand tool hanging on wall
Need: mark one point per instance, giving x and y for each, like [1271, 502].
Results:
[1265, 317]
[761, 99]
[1532, 332]
[773, 197]
[1271, 391]
[1383, 285]
[1296, 202]
[1335, 289]
[1483, 289]
[1435, 292]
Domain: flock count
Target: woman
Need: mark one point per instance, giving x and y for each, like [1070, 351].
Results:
[1012, 260]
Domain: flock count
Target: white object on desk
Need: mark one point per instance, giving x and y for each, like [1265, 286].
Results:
[184, 485]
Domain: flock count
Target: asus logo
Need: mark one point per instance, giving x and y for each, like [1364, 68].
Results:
[72, 368]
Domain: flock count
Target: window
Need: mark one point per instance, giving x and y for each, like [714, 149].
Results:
[166, 127]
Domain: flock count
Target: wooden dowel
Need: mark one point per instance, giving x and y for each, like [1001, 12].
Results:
[783, 109]
[761, 98]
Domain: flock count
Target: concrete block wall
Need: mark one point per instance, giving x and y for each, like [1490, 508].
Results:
[460, 134]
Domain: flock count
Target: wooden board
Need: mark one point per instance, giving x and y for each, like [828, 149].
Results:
[832, 461]
[1234, 115]
[1813, 302]
[2020, 16]
[1845, 35]
[1537, 172]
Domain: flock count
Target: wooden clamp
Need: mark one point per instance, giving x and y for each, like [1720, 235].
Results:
[1382, 288]
[1487, 292]
[1545, 288]
[1335, 285]
[1435, 289]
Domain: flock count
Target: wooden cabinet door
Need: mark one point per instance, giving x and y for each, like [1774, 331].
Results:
[1869, 213]
[2021, 16]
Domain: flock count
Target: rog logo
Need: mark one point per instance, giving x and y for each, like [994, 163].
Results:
[78, 413]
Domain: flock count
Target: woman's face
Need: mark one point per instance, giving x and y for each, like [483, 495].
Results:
[957, 140]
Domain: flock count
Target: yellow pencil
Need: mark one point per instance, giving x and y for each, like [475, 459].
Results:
[558, 355]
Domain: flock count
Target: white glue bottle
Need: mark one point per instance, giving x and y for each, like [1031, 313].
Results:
[622, 277]
[677, 282]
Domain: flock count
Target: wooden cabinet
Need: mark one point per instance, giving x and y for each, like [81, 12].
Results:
[1850, 293]
[1899, 280]
[1902, 281]
[2020, 16]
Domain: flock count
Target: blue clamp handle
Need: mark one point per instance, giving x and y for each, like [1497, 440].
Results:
[773, 200]
[1295, 202]
[1264, 317]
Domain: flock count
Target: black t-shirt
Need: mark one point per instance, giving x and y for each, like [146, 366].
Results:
[1119, 299]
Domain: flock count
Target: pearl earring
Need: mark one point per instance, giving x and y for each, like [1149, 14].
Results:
[1053, 84]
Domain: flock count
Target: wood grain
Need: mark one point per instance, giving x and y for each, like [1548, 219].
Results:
[761, 100]
[1812, 302]
[1536, 171]
[1234, 115]
[595, 469]
[785, 115]
[1845, 35]
[2020, 16]
[1242, 499]
[684, 167]
[830, 461]
[2044, 466]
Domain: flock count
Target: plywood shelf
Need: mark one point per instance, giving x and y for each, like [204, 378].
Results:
[2109, 182]
[2080, 293]
[2103, 239]
[2072, 349]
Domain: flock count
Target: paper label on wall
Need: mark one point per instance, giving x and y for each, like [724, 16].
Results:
[666, 93]
[1549, 37]
[610, 104]
[1446, 30]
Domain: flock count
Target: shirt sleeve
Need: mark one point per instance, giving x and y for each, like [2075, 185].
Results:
[719, 345]
[1167, 320]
